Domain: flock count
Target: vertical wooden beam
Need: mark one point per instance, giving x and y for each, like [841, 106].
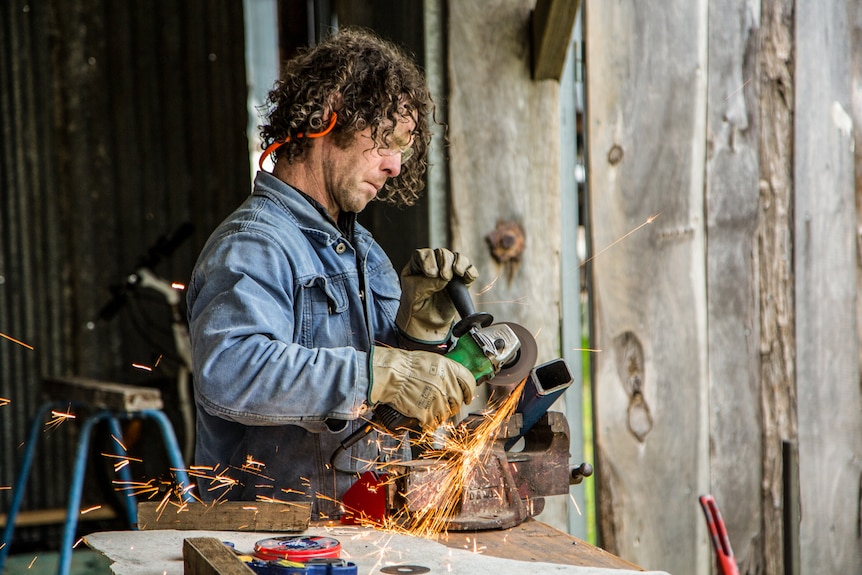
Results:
[504, 153]
[733, 326]
[825, 260]
[553, 23]
[774, 261]
[646, 113]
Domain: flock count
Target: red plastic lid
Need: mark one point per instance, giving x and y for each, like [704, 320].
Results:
[297, 548]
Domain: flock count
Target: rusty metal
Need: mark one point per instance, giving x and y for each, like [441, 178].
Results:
[506, 242]
[506, 489]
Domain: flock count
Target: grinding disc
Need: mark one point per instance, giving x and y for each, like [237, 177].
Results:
[519, 368]
[404, 569]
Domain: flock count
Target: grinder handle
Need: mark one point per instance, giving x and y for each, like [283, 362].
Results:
[460, 296]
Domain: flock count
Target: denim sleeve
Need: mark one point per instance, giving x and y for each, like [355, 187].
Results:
[245, 328]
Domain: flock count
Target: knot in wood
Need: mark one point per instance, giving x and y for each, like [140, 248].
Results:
[506, 242]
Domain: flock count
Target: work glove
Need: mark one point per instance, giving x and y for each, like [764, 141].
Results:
[424, 385]
[426, 312]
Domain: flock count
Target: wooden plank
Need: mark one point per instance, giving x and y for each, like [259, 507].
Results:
[209, 556]
[829, 399]
[553, 23]
[535, 541]
[733, 280]
[646, 106]
[504, 154]
[226, 516]
[773, 259]
[56, 516]
[103, 394]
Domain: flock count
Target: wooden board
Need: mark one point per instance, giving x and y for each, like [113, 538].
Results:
[504, 155]
[827, 363]
[553, 23]
[103, 394]
[646, 106]
[209, 556]
[538, 542]
[226, 516]
[733, 279]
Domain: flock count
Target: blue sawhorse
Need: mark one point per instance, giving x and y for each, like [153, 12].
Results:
[75, 489]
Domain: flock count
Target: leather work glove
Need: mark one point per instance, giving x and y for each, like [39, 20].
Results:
[426, 312]
[420, 384]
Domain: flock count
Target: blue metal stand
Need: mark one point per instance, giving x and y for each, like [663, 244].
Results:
[175, 459]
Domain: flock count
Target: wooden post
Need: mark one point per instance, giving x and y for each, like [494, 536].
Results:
[646, 105]
[829, 399]
[505, 172]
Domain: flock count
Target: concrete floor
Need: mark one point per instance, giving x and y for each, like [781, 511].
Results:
[84, 562]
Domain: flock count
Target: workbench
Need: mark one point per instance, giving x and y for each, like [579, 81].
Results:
[532, 545]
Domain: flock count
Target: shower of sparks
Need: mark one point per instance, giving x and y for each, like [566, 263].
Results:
[118, 442]
[648, 221]
[577, 507]
[59, 417]
[123, 460]
[464, 452]
[13, 340]
[744, 84]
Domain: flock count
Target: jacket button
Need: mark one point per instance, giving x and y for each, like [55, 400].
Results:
[340, 247]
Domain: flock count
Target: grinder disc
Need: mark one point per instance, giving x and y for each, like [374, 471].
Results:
[519, 368]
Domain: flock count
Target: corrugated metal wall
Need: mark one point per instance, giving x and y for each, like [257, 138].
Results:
[120, 121]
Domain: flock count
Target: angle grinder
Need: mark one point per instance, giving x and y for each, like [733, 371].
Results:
[503, 352]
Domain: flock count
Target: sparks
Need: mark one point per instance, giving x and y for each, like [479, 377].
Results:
[178, 286]
[648, 221]
[90, 509]
[59, 417]
[142, 367]
[13, 340]
[4, 401]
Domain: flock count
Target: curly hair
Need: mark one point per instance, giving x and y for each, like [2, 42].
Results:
[369, 82]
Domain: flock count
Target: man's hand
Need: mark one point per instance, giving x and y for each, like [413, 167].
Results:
[423, 385]
[426, 312]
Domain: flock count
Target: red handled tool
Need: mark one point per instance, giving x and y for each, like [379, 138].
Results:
[718, 534]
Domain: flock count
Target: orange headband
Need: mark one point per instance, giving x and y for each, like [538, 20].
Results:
[278, 143]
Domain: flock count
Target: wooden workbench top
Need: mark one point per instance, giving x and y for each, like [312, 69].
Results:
[537, 542]
[533, 546]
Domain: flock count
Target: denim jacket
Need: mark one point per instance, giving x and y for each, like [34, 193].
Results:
[283, 311]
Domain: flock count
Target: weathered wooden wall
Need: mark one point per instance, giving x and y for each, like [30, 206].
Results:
[119, 122]
[646, 110]
[729, 324]
[828, 391]
[505, 167]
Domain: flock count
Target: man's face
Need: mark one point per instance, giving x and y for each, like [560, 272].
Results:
[354, 175]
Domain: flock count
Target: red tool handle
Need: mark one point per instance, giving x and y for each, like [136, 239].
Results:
[718, 534]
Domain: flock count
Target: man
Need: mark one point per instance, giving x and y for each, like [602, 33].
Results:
[297, 318]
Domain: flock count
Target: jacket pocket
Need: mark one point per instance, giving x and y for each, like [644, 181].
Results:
[325, 318]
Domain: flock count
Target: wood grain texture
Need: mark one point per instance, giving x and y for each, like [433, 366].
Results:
[828, 391]
[535, 541]
[646, 102]
[733, 310]
[209, 556]
[774, 256]
[505, 167]
[226, 516]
